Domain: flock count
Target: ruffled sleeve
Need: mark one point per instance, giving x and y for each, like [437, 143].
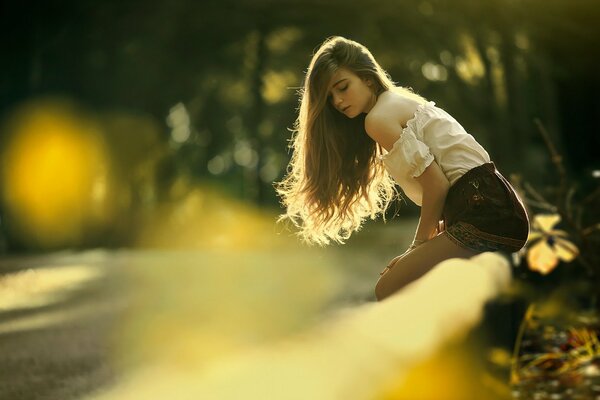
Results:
[409, 154]
[416, 153]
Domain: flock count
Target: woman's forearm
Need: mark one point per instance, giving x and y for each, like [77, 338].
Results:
[431, 212]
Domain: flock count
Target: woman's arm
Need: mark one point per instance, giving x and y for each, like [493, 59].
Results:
[382, 127]
[435, 187]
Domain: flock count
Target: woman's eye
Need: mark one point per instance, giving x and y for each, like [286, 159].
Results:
[344, 88]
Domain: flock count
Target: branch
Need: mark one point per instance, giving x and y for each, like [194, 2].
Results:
[537, 196]
[554, 156]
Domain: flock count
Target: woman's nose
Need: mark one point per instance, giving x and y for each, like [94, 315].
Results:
[337, 100]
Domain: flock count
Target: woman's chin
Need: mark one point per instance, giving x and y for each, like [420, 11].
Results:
[349, 114]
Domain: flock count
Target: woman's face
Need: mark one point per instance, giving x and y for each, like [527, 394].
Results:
[349, 94]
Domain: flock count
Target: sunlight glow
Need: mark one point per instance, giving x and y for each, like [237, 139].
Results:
[192, 347]
[280, 40]
[277, 85]
[179, 122]
[206, 219]
[234, 91]
[497, 75]
[42, 286]
[447, 58]
[54, 174]
[522, 41]
[469, 66]
[244, 155]
[53, 318]
[434, 72]
[218, 164]
[271, 168]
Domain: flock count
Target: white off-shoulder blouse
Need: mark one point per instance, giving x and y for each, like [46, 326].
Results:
[431, 134]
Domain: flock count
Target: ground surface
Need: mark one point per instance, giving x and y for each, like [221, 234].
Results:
[62, 315]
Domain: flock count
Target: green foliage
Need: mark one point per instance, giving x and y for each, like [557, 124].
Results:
[235, 66]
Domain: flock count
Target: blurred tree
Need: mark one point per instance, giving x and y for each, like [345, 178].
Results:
[233, 67]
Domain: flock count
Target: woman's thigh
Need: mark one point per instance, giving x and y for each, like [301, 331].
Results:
[418, 262]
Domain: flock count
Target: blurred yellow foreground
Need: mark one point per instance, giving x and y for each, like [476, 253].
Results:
[223, 304]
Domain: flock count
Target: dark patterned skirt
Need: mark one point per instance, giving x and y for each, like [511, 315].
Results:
[483, 212]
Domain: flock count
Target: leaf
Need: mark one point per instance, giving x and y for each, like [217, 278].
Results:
[565, 250]
[541, 258]
[545, 222]
[534, 235]
[559, 232]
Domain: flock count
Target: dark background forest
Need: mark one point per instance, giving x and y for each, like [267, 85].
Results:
[205, 92]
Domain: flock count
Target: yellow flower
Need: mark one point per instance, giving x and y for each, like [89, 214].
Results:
[551, 244]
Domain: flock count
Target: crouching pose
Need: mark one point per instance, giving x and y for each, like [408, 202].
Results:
[358, 134]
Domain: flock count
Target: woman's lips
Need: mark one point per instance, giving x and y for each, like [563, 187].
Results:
[345, 108]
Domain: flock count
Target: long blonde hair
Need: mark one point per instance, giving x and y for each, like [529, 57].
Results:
[333, 181]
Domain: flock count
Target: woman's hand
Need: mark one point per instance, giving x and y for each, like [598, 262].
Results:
[391, 264]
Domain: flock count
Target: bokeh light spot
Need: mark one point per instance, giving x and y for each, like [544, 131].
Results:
[53, 171]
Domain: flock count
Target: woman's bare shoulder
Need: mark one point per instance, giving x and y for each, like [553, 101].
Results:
[387, 118]
[395, 106]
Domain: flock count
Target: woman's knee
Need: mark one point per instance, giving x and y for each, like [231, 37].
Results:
[404, 271]
[384, 288]
[417, 263]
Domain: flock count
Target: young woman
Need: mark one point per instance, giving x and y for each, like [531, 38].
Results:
[358, 134]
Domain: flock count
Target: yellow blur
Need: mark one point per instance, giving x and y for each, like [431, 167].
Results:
[231, 325]
[204, 218]
[44, 286]
[54, 171]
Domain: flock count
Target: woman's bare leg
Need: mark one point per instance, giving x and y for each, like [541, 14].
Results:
[418, 262]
